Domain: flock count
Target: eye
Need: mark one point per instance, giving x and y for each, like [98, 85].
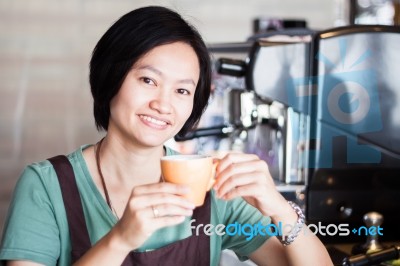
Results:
[183, 91]
[148, 80]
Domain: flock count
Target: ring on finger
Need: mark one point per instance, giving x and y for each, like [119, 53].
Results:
[155, 212]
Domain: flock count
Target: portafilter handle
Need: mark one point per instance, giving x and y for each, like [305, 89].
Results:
[372, 244]
[373, 219]
[231, 67]
[216, 131]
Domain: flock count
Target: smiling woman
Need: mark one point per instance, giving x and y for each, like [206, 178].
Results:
[106, 204]
[156, 97]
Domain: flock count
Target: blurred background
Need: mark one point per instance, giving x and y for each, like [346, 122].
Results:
[45, 48]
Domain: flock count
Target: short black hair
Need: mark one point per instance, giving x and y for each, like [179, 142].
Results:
[126, 41]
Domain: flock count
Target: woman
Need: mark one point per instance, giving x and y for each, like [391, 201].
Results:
[150, 80]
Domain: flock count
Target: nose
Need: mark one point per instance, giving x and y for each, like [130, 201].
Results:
[162, 103]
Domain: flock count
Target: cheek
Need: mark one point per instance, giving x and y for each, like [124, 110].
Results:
[113, 106]
[121, 106]
[188, 110]
[129, 98]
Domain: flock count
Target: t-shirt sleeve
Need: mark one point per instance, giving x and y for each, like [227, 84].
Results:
[244, 228]
[30, 231]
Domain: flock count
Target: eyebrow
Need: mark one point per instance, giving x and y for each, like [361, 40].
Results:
[158, 72]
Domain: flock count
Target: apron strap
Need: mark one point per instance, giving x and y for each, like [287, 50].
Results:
[202, 214]
[80, 241]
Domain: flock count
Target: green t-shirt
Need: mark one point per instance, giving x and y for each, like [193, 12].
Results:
[36, 227]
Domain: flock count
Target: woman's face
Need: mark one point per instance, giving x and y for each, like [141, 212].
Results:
[156, 97]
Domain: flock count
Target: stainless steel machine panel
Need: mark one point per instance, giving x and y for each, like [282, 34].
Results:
[355, 156]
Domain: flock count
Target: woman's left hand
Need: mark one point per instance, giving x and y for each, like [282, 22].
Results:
[247, 176]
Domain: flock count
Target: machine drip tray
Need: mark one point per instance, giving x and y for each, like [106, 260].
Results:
[282, 187]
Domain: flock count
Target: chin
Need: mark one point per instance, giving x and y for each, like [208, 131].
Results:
[154, 141]
[150, 138]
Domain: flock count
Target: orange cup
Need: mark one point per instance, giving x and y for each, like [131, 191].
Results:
[195, 171]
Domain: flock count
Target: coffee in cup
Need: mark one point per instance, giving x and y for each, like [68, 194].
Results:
[195, 171]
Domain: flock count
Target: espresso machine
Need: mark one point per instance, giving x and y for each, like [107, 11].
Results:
[354, 147]
[256, 116]
[323, 111]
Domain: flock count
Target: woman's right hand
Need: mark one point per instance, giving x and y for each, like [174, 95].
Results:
[151, 207]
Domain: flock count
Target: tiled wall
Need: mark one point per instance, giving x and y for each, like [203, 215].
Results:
[45, 46]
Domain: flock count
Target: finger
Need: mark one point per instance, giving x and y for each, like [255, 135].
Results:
[234, 181]
[235, 158]
[159, 211]
[239, 180]
[165, 187]
[249, 190]
[239, 168]
[147, 200]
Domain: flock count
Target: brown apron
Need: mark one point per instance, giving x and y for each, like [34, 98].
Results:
[194, 250]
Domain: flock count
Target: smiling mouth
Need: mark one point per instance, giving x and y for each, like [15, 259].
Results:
[153, 120]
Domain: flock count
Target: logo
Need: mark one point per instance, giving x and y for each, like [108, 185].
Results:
[358, 101]
[252, 230]
[345, 102]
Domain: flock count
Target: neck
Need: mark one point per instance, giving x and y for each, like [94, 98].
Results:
[123, 163]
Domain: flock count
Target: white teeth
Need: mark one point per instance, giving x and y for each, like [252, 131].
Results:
[154, 121]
